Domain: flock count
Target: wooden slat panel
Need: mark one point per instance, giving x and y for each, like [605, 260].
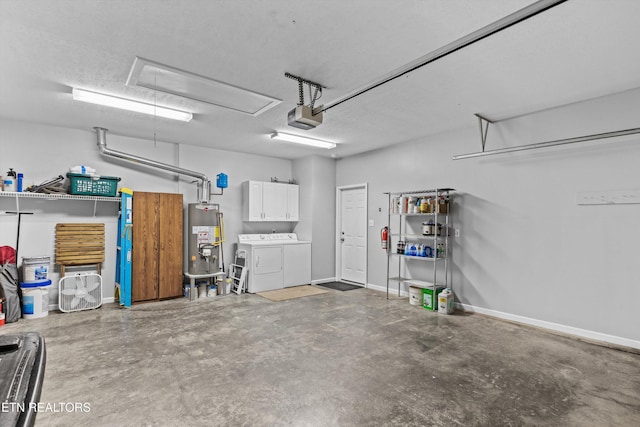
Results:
[82, 262]
[79, 243]
[79, 225]
[79, 256]
[81, 248]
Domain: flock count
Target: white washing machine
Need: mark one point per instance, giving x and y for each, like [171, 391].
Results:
[275, 261]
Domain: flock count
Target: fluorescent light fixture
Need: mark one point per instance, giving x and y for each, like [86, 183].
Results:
[302, 140]
[128, 104]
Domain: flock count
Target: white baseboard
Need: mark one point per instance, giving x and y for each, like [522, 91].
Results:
[582, 333]
[393, 290]
[327, 280]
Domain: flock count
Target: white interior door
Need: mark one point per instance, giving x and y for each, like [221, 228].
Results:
[353, 234]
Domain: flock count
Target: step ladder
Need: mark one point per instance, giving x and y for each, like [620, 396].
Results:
[238, 272]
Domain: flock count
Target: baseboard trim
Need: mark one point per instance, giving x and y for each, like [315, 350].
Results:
[327, 280]
[591, 336]
[596, 337]
[392, 291]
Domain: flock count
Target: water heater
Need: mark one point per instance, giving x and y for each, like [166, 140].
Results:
[206, 234]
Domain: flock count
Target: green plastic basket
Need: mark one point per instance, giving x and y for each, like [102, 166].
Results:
[86, 185]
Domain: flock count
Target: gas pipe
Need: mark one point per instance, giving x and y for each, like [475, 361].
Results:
[384, 236]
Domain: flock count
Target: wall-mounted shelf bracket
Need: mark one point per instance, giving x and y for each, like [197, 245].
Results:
[484, 129]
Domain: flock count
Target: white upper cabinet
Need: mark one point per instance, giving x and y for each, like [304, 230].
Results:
[269, 201]
[293, 197]
[252, 201]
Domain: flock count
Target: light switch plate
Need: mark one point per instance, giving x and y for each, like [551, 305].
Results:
[370, 223]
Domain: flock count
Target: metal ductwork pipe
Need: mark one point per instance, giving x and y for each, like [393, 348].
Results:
[204, 186]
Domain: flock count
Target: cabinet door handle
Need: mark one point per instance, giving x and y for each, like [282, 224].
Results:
[257, 261]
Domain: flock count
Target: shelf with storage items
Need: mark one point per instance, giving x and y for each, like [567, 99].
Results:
[419, 232]
[70, 197]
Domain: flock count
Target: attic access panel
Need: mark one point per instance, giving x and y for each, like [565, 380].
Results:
[174, 81]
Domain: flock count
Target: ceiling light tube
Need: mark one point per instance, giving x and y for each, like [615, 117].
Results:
[303, 140]
[130, 105]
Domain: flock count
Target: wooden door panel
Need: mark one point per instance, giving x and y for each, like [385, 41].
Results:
[144, 277]
[171, 245]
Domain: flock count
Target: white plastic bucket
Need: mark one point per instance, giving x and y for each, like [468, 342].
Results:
[212, 291]
[415, 295]
[35, 269]
[35, 300]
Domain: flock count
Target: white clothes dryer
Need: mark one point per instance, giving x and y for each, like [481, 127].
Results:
[275, 261]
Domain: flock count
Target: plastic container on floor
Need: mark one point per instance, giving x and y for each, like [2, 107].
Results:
[35, 269]
[445, 302]
[212, 291]
[429, 297]
[415, 295]
[35, 299]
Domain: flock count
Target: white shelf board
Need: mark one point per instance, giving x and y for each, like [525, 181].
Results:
[26, 195]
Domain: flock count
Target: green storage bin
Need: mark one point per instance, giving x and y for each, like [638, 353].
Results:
[87, 185]
[429, 300]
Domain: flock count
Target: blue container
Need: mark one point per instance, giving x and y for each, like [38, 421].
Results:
[221, 181]
[20, 176]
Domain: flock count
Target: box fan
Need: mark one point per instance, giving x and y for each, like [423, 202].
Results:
[82, 291]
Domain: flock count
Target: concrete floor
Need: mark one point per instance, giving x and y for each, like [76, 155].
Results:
[336, 359]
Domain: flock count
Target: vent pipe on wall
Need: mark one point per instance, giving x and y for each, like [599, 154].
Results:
[204, 186]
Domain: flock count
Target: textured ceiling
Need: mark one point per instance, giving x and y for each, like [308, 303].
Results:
[578, 50]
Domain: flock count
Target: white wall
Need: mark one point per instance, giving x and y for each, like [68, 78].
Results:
[316, 176]
[41, 152]
[303, 171]
[324, 218]
[527, 251]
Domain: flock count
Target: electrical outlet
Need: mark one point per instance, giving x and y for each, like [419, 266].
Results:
[456, 232]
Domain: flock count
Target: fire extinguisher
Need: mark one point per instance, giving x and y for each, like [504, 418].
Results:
[384, 235]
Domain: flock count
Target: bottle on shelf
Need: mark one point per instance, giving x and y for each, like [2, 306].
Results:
[10, 181]
[424, 205]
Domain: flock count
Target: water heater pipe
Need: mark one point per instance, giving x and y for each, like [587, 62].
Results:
[204, 186]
